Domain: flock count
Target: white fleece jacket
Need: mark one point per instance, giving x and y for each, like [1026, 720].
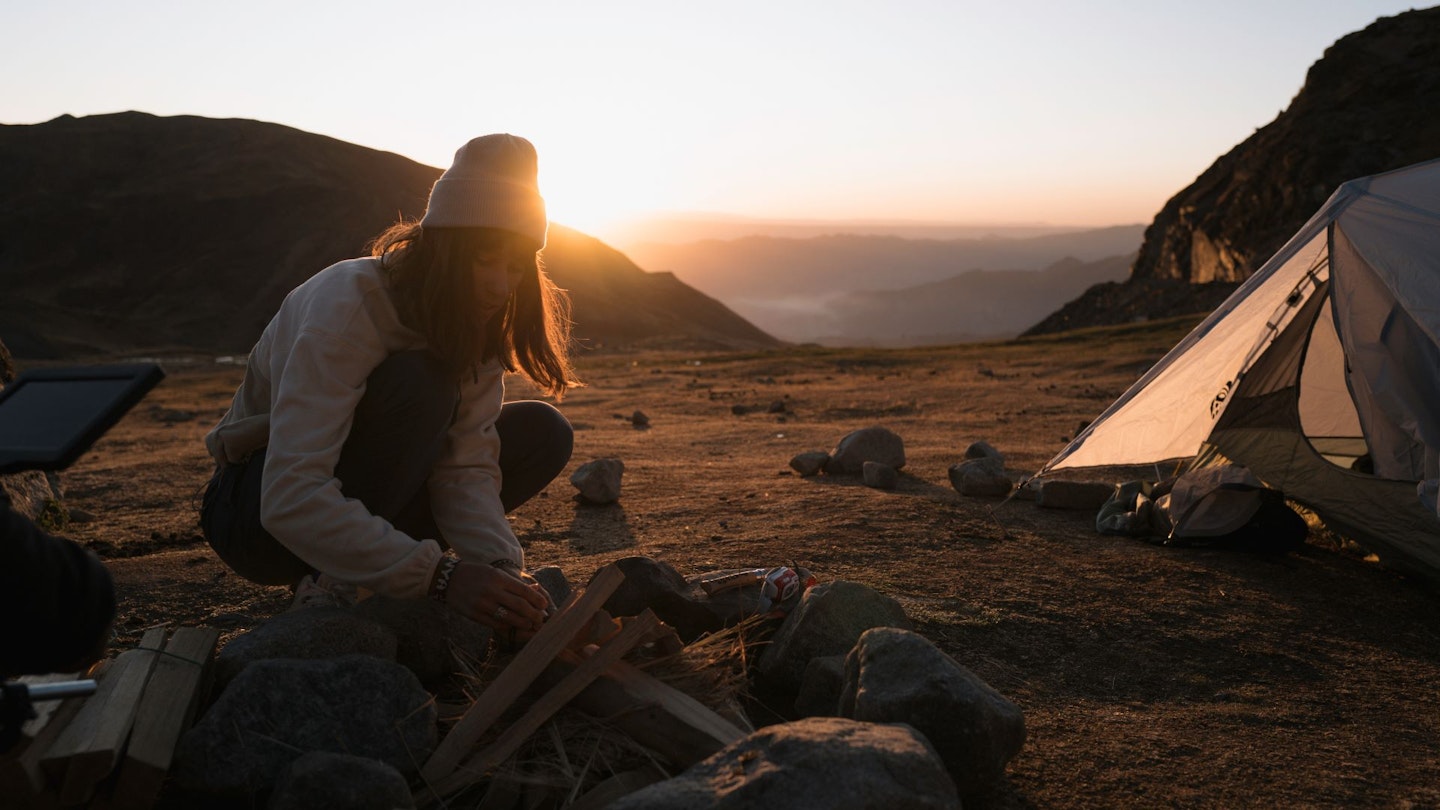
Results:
[305, 376]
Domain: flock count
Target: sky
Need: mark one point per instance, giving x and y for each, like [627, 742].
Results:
[997, 112]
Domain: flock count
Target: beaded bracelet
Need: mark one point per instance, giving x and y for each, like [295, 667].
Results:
[442, 576]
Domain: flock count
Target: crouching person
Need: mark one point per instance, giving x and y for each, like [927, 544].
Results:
[368, 444]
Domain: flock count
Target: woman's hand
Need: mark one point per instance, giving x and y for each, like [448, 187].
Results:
[496, 598]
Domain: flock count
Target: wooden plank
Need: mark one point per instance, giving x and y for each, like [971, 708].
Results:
[90, 745]
[167, 709]
[678, 728]
[522, 670]
[552, 701]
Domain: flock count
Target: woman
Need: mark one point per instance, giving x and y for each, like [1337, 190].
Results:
[367, 445]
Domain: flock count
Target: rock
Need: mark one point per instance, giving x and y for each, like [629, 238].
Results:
[428, 635]
[599, 480]
[553, 580]
[322, 779]
[982, 449]
[824, 762]
[277, 709]
[653, 584]
[980, 476]
[879, 476]
[820, 687]
[739, 410]
[867, 444]
[896, 676]
[778, 406]
[828, 621]
[810, 463]
[33, 495]
[639, 419]
[313, 632]
[1057, 494]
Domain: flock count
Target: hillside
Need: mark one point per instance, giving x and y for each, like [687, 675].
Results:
[1370, 104]
[131, 232]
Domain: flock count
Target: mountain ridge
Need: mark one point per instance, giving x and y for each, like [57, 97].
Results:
[129, 231]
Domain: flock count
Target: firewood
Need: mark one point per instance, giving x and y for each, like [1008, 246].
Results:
[677, 727]
[87, 750]
[549, 703]
[166, 710]
[554, 636]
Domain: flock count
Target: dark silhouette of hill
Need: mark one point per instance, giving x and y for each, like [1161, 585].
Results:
[1370, 104]
[131, 232]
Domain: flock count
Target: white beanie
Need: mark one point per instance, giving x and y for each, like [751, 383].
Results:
[492, 184]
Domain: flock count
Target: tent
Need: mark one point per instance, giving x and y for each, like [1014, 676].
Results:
[1321, 374]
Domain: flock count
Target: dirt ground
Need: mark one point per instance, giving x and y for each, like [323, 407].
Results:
[1149, 676]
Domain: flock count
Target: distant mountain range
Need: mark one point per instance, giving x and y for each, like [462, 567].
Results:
[1370, 104]
[131, 232]
[887, 290]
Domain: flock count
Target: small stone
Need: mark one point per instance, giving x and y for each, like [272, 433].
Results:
[639, 419]
[552, 579]
[810, 463]
[778, 406]
[982, 449]
[739, 410]
[980, 477]
[599, 480]
[867, 444]
[879, 476]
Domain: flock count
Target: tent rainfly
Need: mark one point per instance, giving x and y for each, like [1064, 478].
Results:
[1321, 374]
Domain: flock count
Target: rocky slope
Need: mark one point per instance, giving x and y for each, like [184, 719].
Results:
[131, 232]
[1370, 104]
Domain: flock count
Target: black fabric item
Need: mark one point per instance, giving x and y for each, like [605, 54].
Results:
[56, 599]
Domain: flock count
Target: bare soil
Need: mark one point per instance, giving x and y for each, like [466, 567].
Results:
[1149, 676]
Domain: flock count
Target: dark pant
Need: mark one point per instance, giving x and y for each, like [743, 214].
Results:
[397, 436]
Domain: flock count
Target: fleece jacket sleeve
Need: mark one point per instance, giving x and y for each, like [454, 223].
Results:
[465, 484]
[301, 505]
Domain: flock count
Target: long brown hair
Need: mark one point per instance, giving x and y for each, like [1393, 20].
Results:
[432, 279]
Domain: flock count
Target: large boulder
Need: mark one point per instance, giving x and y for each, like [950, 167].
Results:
[277, 709]
[428, 635]
[322, 779]
[313, 632]
[896, 676]
[828, 621]
[817, 762]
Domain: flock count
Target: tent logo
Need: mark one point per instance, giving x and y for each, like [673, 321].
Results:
[1218, 403]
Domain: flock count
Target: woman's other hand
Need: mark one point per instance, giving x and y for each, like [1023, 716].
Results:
[496, 598]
